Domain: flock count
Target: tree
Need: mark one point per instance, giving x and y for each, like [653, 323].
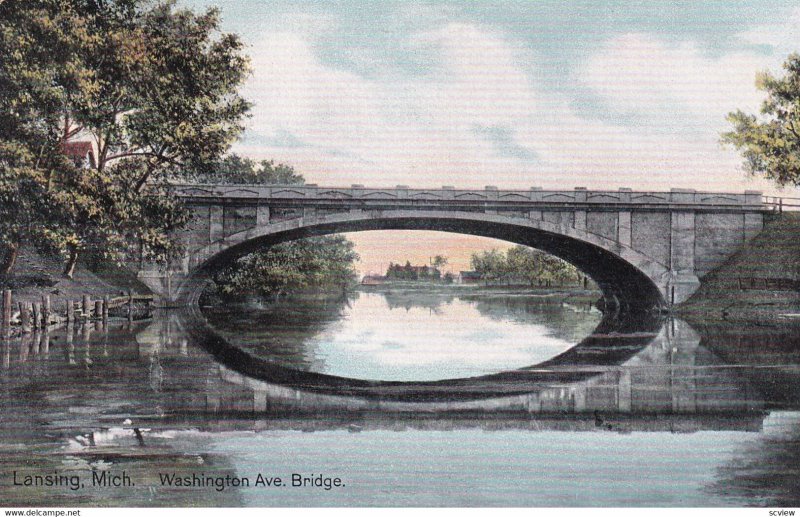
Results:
[237, 169]
[526, 263]
[439, 261]
[153, 87]
[522, 262]
[37, 72]
[320, 262]
[771, 144]
[489, 264]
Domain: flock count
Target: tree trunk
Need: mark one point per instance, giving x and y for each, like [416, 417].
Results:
[69, 269]
[10, 258]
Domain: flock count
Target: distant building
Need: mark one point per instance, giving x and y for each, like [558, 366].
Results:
[469, 277]
[81, 154]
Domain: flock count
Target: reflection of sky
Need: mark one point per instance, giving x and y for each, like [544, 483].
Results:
[373, 342]
[472, 467]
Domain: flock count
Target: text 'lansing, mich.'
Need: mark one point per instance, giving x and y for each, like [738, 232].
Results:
[220, 483]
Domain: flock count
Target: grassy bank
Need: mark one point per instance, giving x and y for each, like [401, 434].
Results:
[755, 284]
[35, 275]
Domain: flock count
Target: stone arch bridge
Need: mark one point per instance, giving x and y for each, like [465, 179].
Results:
[644, 249]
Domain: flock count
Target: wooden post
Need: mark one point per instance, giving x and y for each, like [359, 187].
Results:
[70, 312]
[87, 307]
[98, 308]
[106, 301]
[71, 336]
[130, 305]
[37, 315]
[45, 311]
[5, 318]
[24, 317]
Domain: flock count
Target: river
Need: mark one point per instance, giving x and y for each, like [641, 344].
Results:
[407, 397]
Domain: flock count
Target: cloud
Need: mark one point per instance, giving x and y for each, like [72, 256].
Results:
[397, 129]
[783, 37]
[676, 84]
[474, 114]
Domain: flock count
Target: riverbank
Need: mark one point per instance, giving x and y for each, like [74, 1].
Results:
[759, 284]
[36, 277]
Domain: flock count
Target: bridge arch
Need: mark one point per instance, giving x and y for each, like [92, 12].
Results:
[629, 279]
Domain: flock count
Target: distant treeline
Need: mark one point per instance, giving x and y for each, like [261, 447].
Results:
[521, 264]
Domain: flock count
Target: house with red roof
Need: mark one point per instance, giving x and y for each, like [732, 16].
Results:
[81, 153]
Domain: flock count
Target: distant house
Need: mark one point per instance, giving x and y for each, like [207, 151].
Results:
[373, 280]
[469, 277]
[81, 154]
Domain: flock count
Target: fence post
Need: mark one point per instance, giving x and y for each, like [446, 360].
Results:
[45, 311]
[24, 317]
[130, 305]
[87, 308]
[5, 318]
[106, 301]
[37, 315]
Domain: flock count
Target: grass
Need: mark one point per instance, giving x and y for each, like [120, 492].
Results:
[773, 254]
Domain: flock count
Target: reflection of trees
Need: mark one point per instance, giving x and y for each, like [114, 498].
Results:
[565, 323]
[764, 472]
[550, 312]
[409, 299]
[773, 350]
[279, 330]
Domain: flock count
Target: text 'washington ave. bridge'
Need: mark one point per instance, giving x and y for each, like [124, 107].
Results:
[644, 249]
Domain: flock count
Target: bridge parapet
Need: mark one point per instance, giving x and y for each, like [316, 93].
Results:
[676, 198]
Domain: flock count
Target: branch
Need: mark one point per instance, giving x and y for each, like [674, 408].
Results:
[73, 132]
[794, 132]
[129, 154]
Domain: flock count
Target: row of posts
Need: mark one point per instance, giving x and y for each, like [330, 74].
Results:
[37, 315]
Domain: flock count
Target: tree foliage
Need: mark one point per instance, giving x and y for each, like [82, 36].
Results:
[241, 170]
[521, 263]
[770, 144]
[316, 263]
[153, 88]
[414, 273]
[320, 263]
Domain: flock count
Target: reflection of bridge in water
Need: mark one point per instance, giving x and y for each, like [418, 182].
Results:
[662, 379]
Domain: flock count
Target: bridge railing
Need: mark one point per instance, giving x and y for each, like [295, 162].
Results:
[779, 204]
[448, 194]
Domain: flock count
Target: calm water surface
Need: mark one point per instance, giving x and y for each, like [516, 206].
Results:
[556, 408]
[408, 335]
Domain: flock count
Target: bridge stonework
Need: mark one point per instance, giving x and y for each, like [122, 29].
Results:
[642, 248]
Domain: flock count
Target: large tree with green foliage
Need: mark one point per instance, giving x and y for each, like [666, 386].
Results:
[320, 263]
[770, 143]
[154, 88]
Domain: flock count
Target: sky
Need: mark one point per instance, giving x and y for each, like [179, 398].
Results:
[557, 94]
